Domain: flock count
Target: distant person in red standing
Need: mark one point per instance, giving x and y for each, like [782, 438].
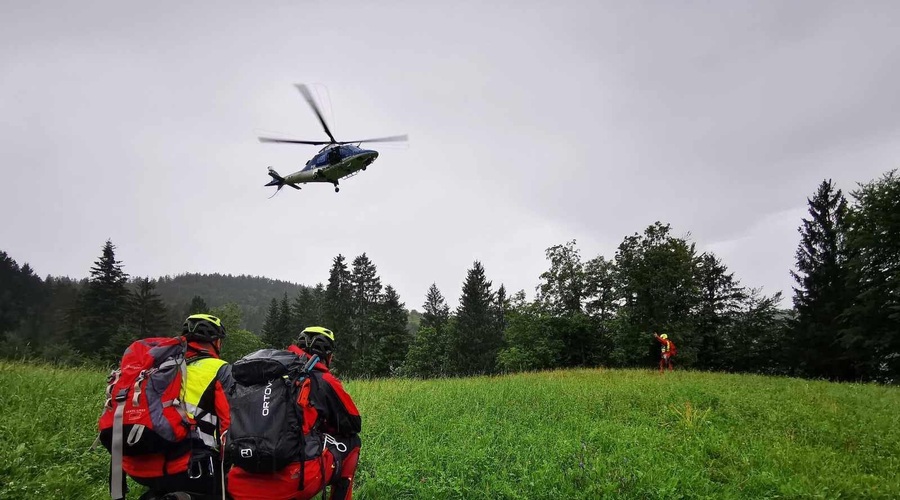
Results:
[667, 352]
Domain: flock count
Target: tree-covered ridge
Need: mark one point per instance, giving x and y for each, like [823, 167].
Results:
[251, 293]
[597, 311]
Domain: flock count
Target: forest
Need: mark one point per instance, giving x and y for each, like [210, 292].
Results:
[588, 311]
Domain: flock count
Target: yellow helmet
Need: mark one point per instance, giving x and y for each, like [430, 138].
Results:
[203, 327]
[317, 339]
[664, 336]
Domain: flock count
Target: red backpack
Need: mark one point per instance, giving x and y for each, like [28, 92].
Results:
[144, 411]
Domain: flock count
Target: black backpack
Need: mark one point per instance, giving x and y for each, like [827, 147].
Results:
[266, 422]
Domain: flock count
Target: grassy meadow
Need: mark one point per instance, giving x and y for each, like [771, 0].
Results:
[564, 434]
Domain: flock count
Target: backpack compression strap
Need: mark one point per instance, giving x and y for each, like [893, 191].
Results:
[116, 481]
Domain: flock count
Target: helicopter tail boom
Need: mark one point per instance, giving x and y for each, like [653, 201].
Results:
[279, 181]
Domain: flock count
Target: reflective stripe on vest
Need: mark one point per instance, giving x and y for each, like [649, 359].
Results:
[200, 374]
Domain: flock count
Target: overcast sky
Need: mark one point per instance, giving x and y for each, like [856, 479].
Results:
[530, 124]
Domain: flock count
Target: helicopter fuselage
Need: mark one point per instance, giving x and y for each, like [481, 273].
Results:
[333, 163]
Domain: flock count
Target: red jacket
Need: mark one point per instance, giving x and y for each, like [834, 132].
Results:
[668, 347]
[213, 402]
[334, 413]
[339, 417]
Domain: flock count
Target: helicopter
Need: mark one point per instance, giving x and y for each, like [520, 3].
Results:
[335, 161]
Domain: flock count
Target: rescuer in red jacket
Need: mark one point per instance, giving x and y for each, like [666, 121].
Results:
[197, 470]
[329, 417]
[666, 353]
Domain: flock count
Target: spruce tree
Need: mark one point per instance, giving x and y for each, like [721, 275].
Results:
[427, 354]
[338, 312]
[149, 316]
[197, 306]
[870, 335]
[721, 298]
[475, 341]
[366, 285]
[104, 305]
[821, 294]
[366, 293]
[390, 339]
[271, 326]
[284, 333]
[437, 312]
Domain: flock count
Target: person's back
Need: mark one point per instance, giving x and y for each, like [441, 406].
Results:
[330, 430]
[196, 467]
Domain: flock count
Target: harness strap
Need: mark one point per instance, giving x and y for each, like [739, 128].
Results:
[116, 481]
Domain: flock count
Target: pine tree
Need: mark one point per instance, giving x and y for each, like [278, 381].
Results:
[104, 305]
[338, 312]
[437, 312]
[427, 355]
[822, 295]
[270, 327]
[476, 341]
[302, 310]
[870, 337]
[366, 293]
[721, 297]
[366, 285]
[390, 340]
[149, 316]
[284, 333]
[197, 306]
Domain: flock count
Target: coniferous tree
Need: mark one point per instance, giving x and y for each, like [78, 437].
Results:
[365, 284]
[301, 310]
[338, 312]
[149, 317]
[501, 307]
[104, 305]
[284, 334]
[390, 340]
[822, 295]
[721, 297]
[308, 309]
[437, 312]
[197, 306]
[427, 355]
[365, 288]
[23, 298]
[870, 334]
[475, 341]
[272, 324]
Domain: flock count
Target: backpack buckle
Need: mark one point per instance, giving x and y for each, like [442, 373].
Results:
[195, 471]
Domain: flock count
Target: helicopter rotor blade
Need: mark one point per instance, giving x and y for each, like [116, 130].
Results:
[393, 138]
[306, 95]
[292, 141]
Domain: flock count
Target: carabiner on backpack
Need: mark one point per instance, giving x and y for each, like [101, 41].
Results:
[195, 470]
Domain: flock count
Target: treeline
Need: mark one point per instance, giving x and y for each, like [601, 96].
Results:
[601, 311]
[251, 293]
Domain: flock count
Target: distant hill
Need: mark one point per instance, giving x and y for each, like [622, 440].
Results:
[252, 293]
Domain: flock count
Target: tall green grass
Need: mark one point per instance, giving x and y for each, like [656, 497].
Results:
[565, 434]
